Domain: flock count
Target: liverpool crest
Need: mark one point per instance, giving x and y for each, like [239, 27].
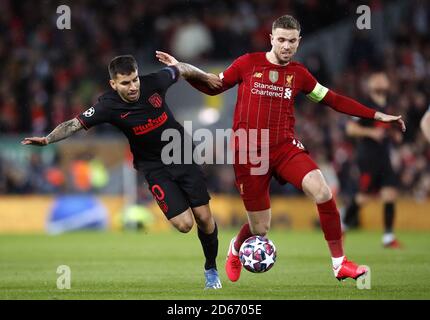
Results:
[289, 80]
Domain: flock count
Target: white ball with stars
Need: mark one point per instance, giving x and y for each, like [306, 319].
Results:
[257, 254]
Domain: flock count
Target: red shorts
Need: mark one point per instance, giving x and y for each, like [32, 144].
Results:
[287, 163]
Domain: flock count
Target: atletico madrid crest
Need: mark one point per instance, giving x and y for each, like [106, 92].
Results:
[156, 100]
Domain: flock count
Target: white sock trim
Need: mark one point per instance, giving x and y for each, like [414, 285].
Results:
[388, 237]
[233, 250]
[337, 261]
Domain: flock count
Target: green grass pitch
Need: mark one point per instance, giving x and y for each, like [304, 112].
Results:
[170, 266]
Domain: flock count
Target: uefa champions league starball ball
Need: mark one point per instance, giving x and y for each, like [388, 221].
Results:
[257, 254]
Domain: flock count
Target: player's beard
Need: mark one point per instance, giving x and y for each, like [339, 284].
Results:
[134, 97]
[126, 97]
[284, 58]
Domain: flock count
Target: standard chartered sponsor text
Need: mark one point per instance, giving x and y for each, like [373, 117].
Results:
[269, 90]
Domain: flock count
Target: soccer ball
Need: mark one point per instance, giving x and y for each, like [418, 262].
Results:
[257, 254]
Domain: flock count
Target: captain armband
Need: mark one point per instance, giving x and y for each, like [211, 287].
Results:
[318, 93]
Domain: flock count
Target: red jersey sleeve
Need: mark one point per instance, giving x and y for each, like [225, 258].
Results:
[308, 82]
[318, 93]
[233, 74]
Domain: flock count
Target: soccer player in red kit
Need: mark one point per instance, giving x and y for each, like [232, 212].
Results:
[268, 84]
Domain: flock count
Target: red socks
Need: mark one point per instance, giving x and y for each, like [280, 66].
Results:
[330, 224]
[244, 233]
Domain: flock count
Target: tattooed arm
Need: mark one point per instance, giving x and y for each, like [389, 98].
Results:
[190, 72]
[62, 131]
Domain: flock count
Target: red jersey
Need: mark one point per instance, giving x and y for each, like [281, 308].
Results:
[266, 94]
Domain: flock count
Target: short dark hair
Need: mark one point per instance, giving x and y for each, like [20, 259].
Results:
[124, 64]
[286, 22]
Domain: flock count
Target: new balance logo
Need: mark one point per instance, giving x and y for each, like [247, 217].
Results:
[298, 144]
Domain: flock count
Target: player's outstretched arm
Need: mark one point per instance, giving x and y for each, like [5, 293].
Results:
[205, 82]
[354, 108]
[62, 131]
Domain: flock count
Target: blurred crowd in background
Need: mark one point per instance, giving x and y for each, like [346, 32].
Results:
[50, 75]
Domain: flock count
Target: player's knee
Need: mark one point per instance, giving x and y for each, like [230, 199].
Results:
[184, 227]
[315, 186]
[183, 222]
[390, 198]
[323, 194]
[204, 220]
[361, 199]
[326, 194]
[207, 225]
[389, 194]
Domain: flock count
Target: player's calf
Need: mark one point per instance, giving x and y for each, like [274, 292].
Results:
[260, 229]
[204, 218]
[259, 224]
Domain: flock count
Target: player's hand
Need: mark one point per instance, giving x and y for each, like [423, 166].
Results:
[213, 81]
[166, 58]
[389, 118]
[37, 141]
